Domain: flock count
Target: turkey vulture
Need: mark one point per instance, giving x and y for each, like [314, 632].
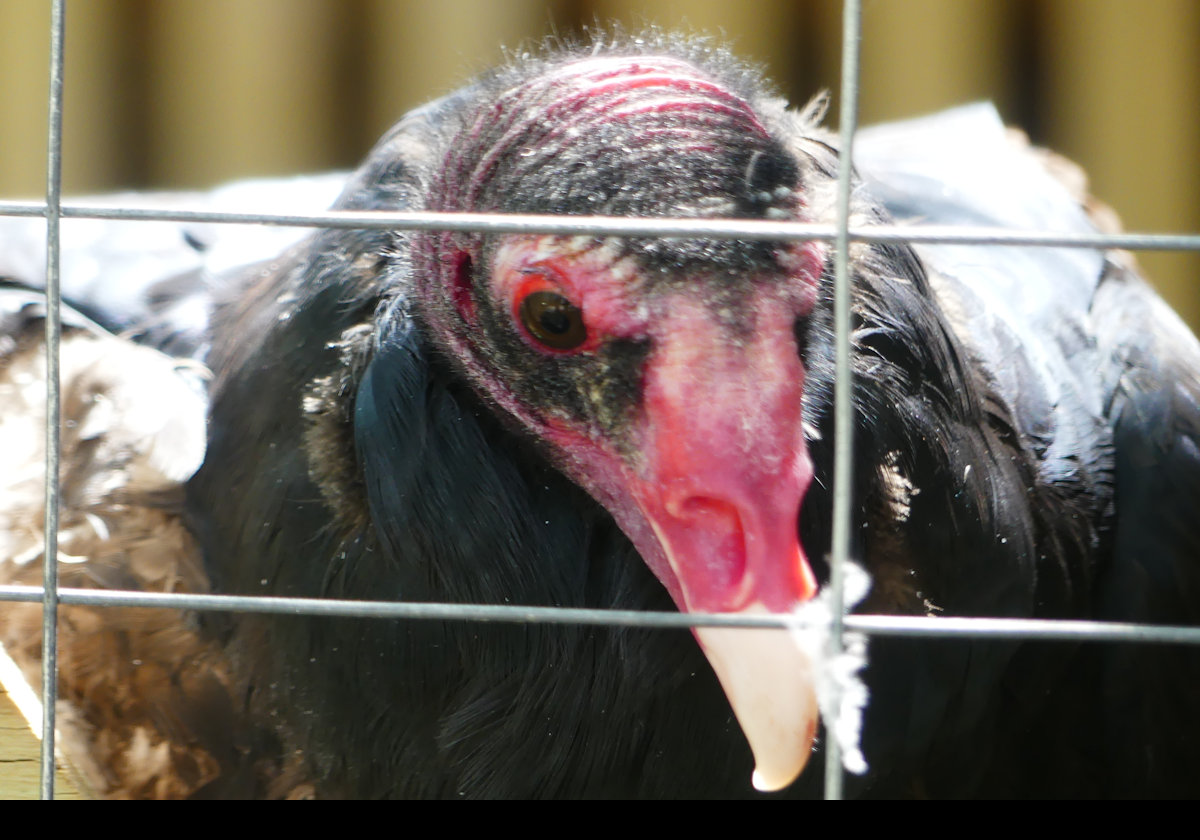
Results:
[640, 423]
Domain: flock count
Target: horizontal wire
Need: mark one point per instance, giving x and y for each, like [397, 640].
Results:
[753, 229]
[876, 625]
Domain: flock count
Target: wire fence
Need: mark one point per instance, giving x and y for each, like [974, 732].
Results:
[53, 210]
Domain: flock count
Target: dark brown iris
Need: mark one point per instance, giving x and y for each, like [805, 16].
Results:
[553, 320]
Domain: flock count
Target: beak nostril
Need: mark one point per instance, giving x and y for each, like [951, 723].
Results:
[695, 507]
[725, 559]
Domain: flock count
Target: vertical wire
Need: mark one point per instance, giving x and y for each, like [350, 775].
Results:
[843, 410]
[53, 332]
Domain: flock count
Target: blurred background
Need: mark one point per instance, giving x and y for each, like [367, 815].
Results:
[189, 93]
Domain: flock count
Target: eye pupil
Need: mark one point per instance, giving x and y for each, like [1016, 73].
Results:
[553, 321]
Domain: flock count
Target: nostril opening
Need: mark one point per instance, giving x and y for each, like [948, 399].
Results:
[725, 556]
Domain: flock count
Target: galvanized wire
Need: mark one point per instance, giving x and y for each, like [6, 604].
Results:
[53, 333]
[843, 391]
[879, 625]
[517, 223]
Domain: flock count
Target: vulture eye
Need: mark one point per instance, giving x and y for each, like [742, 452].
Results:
[553, 321]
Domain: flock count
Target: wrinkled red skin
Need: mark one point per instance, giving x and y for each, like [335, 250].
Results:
[726, 461]
[709, 481]
[722, 467]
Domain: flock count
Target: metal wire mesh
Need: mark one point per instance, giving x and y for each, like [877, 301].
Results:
[53, 210]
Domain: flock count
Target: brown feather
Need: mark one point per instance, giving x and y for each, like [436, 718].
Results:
[146, 709]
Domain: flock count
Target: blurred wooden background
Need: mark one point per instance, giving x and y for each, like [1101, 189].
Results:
[168, 93]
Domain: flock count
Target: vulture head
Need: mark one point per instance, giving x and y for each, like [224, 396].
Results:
[663, 376]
